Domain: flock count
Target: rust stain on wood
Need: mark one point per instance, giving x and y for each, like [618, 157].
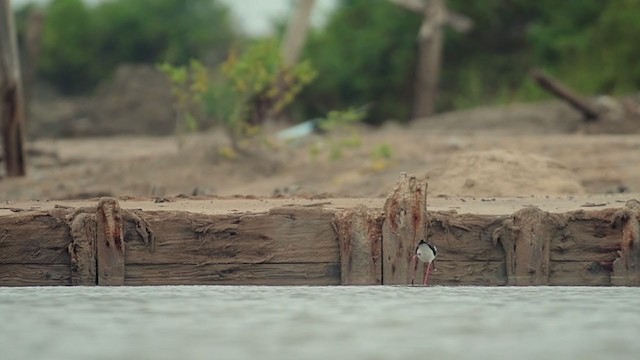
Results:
[82, 250]
[110, 243]
[626, 268]
[360, 234]
[404, 225]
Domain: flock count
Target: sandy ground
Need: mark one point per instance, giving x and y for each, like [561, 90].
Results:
[465, 155]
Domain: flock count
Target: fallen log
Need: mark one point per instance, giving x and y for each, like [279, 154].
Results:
[560, 90]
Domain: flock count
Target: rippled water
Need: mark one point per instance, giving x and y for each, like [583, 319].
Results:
[215, 322]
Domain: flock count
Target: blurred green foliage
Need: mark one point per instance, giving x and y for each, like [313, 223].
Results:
[367, 53]
[82, 44]
[249, 87]
[254, 85]
[189, 84]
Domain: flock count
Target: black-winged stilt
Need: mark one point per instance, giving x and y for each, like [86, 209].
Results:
[426, 253]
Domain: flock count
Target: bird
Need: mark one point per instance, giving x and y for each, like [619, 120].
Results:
[426, 253]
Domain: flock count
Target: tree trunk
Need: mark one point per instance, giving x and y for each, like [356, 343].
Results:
[429, 59]
[296, 33]
[12, 107]
[32, 44]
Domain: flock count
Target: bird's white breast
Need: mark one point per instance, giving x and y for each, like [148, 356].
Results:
[425, 254]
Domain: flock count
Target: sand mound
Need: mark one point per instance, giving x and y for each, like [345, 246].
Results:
[503, 173]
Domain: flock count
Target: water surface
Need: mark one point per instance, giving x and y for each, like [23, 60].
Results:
[244, 322]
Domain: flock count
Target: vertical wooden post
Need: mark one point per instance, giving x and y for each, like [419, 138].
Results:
[296, 33]
[626, 268]
[110, 243]
[12, 107]
[526, 239]
[82, 250]
[405, 224]
[360, 236]
[429, 59]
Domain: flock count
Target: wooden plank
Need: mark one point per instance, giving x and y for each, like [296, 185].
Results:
[12, 105]
[34, 275]
[525, 238]
[464, 237]
[582, 273]
[33, 238]
[288, 234]
[82, 250]
[234, 274]
[588, 236]
[404, 226]
[360, 236]
[480, 273]
[110, 243]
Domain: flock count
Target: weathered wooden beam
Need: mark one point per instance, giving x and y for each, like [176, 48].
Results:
[34, 237]
[282, 235]
[360, 237]
[404, 225]
[110, 243]
[463, 272]
[34, 275]
[464, 237]
[12, 105]
[560, 90]
[588, 237]
[289, 245]
[582, 273]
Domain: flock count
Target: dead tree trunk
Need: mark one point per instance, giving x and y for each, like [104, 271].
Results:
[429, 59]
[296, 33]
[436, 16]
[12, 107]
[563, 92]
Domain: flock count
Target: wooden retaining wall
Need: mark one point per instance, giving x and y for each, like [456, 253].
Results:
[318, 243]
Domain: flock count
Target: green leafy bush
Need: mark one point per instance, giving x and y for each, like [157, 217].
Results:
[244, 91]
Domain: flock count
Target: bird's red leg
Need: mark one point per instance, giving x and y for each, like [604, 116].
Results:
[414, 260]
[427, 272]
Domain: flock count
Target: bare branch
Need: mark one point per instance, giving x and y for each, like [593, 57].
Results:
[459, 22]
[413, 5]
